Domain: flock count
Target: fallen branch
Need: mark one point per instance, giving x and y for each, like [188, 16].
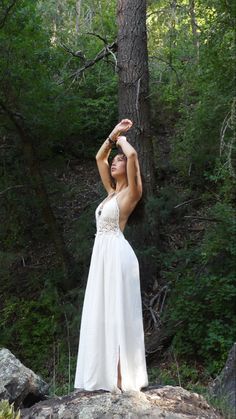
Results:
[187, 202]
[154, 306]
[203, 218]
[11, 187]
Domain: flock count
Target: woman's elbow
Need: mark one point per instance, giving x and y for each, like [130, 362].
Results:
[132, 155]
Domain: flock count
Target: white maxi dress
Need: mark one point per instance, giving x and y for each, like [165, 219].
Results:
[111, 324]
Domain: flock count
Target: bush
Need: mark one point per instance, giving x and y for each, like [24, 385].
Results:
[203, 295]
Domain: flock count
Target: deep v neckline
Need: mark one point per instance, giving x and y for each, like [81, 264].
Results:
[105, 201]
[114, 195]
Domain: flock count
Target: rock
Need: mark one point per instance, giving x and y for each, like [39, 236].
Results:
[19, 384]
[224, 385]
[162, 402]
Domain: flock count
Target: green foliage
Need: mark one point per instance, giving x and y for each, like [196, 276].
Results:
[191, 91]
[221, 404]
[7, 410]
[203, 294]
[50, 323]
[31, 324]
[36, 82]
[83, 237]
[196, 87]
[192, 79]
[174, 373]
[161, 376]
[162, 206]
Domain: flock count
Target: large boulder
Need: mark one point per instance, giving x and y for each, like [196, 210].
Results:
[224, 385]
[19, 384]
[162, 402]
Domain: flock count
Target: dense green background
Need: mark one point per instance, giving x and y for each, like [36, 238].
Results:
[192, 250]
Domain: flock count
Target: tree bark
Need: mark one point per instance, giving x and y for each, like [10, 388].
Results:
[133, 88]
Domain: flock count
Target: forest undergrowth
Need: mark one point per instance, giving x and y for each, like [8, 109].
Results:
[186, 245]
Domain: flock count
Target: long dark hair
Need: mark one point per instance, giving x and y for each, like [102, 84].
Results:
[120, 153]
[137, 214]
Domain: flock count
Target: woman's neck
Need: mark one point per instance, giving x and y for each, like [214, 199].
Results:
[122, 184]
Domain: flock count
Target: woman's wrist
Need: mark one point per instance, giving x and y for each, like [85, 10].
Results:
[120, 141]
[114, 135]
[110, 142]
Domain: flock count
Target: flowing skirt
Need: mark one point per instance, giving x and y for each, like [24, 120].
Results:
[112, 325]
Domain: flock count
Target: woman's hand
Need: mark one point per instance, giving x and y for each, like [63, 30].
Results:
[123, 126]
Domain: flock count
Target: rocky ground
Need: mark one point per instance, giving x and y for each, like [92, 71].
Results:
[29, 392]
[164, 402]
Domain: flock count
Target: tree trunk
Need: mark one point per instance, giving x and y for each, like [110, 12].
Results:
[172, 31]
[194, 27]
[133, 89]
[78, 11]
[67, 264]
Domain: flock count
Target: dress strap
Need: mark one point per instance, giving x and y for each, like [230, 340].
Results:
[108, 198]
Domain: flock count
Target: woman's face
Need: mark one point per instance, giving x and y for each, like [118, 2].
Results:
[118, 166]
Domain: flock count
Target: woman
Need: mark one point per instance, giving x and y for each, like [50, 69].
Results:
[111, 354]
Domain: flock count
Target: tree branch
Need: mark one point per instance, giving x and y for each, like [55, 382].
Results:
[6, 13]
[77, 54]
[169, 64]
[106, 51]
[98, 36]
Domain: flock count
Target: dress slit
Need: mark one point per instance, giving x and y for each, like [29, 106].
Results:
[117, 367]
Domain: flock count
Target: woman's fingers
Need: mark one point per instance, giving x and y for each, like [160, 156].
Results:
[126, 124]
[127, 121]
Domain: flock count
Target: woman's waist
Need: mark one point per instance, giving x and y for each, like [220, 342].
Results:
[108, 227]
[101, 232]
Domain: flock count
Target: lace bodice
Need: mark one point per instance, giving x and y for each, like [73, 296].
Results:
[107, 216]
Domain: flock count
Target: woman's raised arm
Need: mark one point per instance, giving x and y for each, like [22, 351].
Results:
[103, 165]
[104, 152]
[133, 169]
